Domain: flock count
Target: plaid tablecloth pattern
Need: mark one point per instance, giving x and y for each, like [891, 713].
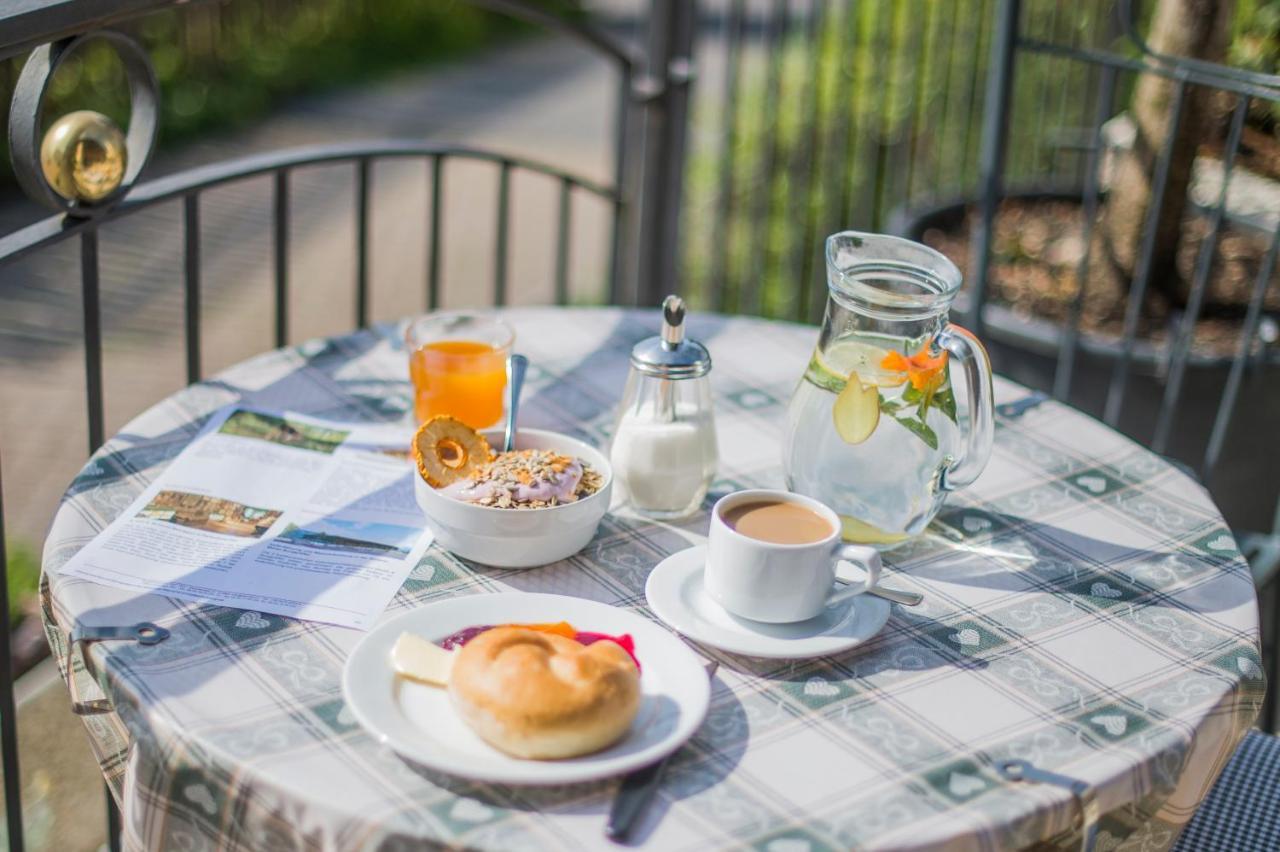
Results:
[1086, 610]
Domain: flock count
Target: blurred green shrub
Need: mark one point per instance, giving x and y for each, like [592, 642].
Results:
[221, 65]
[23, 564]
[880, 106]
[880, 109]
[1255, 45]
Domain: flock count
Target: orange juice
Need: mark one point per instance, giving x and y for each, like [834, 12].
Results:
[462, 378]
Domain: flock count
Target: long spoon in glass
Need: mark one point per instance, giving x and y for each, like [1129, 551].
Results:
[516, 367]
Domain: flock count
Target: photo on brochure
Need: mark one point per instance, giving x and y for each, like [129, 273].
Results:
[337, 535]
[283, 430]
[209, 514]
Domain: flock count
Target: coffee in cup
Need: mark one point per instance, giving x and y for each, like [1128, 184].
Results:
[772, 556]
[778, 521]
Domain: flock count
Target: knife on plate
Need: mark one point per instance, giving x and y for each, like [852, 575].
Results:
[637, 789]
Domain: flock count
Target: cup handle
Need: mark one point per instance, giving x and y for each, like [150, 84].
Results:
[868, 559]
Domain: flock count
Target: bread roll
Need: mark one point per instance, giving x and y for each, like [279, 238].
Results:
[539, 695]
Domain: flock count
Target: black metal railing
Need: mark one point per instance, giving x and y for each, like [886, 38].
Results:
[814, 116]
[188, 186]
[1178, 355]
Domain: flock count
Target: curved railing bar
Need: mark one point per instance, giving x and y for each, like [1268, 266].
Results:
[27, 24]
[58, 227]
[1129, 22]
[592, 36]
[1172, 72]
[160, 189]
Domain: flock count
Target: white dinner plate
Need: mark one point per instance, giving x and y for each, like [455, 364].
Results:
[419, 723]
[677, 596]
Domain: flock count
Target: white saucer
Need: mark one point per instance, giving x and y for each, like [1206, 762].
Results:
[676, 596]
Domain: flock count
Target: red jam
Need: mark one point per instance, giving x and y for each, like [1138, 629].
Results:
[628, 644]
[463, 636]
[585, 637]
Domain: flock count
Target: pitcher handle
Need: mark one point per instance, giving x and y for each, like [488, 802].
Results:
[980, 429]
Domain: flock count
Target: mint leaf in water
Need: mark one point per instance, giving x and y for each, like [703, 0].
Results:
[891, 406]
[921, 430]
[945, 401]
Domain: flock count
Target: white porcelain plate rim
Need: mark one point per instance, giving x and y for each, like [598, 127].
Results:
[673, 680]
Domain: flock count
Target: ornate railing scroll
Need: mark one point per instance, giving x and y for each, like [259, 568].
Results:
[83, 163]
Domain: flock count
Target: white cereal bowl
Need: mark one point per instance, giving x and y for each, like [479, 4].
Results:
[519, 538]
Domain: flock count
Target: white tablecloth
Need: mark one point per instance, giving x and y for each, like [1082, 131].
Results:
[1086, 610]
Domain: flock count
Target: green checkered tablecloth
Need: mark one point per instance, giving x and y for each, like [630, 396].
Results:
[1086, 610]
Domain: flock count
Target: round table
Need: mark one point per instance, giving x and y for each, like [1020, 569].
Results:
[1085, 609]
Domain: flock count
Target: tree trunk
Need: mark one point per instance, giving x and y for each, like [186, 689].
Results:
[1191, 28]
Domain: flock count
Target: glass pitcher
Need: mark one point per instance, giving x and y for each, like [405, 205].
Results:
[875, 429]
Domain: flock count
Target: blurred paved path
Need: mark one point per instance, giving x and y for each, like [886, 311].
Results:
[545, 98]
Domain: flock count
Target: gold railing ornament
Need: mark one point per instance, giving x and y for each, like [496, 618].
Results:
[84, 156]
[84, 164]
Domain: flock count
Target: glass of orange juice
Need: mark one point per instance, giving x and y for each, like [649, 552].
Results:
[458, 366]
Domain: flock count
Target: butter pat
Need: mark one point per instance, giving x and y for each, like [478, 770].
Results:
[416, 658]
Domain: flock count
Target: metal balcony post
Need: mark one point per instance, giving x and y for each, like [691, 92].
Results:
[8, 710]
[665, 96]
[995, 139]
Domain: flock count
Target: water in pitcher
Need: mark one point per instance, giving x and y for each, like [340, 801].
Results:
[873, 419]
[873, 429]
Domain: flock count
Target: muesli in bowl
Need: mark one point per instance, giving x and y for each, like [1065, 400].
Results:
[459, 462]
[467, 491]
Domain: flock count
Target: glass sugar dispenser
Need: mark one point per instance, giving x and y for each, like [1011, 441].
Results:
[664, 441]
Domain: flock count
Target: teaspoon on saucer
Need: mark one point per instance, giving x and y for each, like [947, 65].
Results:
[844, 575]
[898, 597]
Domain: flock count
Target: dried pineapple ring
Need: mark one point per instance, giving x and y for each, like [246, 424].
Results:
[856, 412]
[451, 454]
[447, 450]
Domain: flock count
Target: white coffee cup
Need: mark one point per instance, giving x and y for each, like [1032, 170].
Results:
[779, 583]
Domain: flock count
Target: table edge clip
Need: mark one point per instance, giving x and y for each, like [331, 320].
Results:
[144, 633]
[1086, 797]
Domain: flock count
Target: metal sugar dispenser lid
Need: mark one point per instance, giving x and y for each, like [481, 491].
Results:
[671, 355]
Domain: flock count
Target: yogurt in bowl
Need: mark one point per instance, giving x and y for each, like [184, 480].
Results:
[533, 478]
[539, 504]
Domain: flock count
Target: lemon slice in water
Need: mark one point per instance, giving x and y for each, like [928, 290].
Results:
[861, 532]
[856, 411]
[857, 356]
